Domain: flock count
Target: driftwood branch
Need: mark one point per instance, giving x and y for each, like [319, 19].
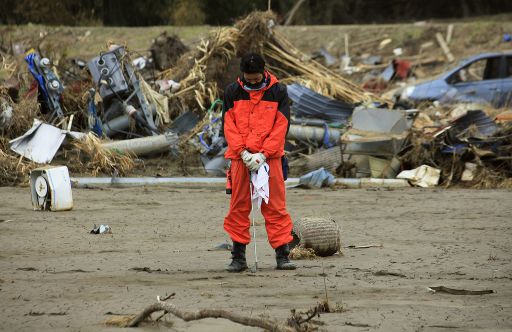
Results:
[187, 316]
[161, 299]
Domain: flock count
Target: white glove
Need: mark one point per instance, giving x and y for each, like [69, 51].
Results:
[256, 161]
[246, 157]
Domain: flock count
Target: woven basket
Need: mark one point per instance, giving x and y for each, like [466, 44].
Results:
[323, 235]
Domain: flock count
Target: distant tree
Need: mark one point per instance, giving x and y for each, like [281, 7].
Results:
[63, 12]
[188, 12]
[136, 13]
[226, 12]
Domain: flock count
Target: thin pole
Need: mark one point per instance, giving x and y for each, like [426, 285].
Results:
[253, 224]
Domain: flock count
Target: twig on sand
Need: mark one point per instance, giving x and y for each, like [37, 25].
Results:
[297, 320]
[165, 298]
[326, 302]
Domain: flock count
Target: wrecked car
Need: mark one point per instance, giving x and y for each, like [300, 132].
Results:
[484, 79]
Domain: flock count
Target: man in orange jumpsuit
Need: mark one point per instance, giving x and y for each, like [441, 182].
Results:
[256, 118]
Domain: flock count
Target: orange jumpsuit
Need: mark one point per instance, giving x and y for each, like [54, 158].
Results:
[257, 121]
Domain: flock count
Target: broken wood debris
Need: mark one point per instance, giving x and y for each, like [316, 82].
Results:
[149, 270]
[453, 291]
[298, 321]
[364, 246]
[446, 50]
[381, 273]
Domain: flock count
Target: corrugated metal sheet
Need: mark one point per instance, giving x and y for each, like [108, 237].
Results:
[485, 125]
[309, 104]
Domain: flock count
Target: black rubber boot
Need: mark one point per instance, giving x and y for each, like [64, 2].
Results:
[283, 262]
[238, 263]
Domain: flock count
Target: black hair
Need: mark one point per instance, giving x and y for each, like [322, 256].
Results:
[252, 63]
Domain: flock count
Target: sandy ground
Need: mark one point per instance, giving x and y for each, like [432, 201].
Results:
[54, 276]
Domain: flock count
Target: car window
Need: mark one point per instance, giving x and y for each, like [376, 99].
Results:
[509, 66]
[484, 69]
[492, 69]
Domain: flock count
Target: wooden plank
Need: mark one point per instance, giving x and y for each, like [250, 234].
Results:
[449, 34]
[444, 47]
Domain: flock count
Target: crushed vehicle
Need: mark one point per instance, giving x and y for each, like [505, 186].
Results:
[482, 79]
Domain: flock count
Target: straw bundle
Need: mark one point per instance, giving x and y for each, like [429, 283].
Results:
[13, 170]
[8, 67]
[300, 252]
[200, 70]
[256, 33]
[95, 159]
[23, 115]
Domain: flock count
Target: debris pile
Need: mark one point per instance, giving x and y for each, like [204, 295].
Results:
[104, 115]
[471, 147]
[444, 131]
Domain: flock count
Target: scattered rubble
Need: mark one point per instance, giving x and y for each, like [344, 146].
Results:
[354, 115]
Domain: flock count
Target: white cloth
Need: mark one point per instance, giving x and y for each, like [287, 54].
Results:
[260, 190]
[423, 176]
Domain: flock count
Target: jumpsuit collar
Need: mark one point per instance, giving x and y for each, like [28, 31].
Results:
[256, 95]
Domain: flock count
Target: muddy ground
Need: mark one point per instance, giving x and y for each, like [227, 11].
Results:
[55, 276]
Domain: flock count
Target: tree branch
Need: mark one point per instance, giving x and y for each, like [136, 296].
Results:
[265, 324]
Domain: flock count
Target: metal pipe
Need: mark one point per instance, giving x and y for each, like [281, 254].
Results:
[120, 123]
[221, 181]
[308, 133]
[372, 183]
[86, 181]
[145, 145]
[115, 125]
[308, 122]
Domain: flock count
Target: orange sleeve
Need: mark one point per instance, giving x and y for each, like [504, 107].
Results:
[230, 131]
[273, 146]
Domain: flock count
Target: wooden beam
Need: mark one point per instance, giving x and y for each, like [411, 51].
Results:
[449, 34]
[444, 47]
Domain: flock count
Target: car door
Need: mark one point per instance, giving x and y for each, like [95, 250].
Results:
[479, 81]
[506, 93]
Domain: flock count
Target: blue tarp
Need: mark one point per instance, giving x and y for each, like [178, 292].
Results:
[317, 179]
